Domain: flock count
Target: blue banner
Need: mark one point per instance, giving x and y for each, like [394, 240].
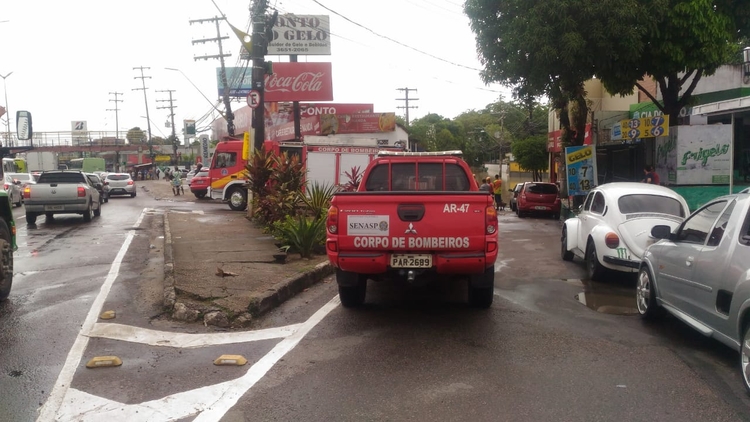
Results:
[580, 164]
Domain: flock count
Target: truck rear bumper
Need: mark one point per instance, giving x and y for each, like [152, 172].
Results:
[442, 263]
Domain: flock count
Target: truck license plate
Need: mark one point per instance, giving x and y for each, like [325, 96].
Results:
[411, 261]
[540, 208]
[54, 207]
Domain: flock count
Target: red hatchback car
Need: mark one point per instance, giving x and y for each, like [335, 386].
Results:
[199, 184]
[538, 198]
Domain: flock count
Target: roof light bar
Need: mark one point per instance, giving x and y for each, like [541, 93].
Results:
[422, 153]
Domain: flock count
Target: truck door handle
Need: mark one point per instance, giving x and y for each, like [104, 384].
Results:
[410, 212]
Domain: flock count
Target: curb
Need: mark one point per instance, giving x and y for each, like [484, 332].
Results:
[260, 305]
[170, 296]
[288, 289]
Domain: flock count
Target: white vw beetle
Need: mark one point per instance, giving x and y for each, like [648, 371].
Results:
[613, 228]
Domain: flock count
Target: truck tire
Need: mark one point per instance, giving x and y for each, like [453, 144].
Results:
[352, 288]
[87, 214]
[49, 216]
[6, 261]
[482, 289]
[30, 218]
[237, 199]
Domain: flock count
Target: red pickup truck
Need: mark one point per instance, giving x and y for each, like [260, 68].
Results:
[414, 215]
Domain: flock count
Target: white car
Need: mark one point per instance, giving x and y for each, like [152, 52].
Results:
[613, 227]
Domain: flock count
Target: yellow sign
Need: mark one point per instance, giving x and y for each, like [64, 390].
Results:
[645, 127]
[160, 158]
[580, 154]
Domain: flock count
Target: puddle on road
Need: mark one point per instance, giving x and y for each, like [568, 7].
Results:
[613, 304]
[607, 299]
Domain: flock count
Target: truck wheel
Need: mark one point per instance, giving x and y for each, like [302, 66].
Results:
[200, 195]
[132, 195]
[87, 214]
[30, 218]
[482, 289]
[6, 261]
[238, 199]
[352, 288]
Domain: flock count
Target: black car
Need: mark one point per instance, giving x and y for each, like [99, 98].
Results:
[101, 186]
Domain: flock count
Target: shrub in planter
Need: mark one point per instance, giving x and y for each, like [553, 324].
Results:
[302, 234]
[317, 198]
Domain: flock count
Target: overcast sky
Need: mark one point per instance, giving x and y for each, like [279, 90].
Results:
[66, 57]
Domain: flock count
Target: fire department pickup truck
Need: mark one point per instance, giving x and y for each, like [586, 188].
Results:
[415, 215]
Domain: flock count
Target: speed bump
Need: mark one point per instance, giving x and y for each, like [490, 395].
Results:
[104, 362]
[230, 360]
[107, 315]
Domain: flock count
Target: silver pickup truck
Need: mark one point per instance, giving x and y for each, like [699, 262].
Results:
[61, 192]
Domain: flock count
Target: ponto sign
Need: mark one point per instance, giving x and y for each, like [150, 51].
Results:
[253, 99]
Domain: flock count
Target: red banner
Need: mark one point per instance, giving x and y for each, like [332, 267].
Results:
[554, 139]
[285, 132]
[296, 81]
[278, 113]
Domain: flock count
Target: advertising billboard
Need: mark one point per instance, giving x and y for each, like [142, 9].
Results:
[278, 113]
[580, 163]
[289, 82]
[302, 35]
[702, 155]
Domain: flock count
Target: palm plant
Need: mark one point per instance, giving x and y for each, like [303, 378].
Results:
[317, 198]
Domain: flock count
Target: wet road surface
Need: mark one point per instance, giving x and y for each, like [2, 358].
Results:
[553, 347]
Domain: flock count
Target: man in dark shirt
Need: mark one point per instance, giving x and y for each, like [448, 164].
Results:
[650, 176]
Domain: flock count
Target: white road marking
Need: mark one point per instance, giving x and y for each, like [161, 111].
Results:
[55, 400]
[208, 403]
[180, 340]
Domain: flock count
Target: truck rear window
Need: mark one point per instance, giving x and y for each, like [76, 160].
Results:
[417, 177]
[61, 178]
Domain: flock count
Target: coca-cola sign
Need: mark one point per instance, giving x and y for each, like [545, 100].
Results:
[289, 82]
[299, 82]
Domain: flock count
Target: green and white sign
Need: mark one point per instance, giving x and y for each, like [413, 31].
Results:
[695, 155]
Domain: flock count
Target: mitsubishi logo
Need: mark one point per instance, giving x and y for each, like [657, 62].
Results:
[410, 230]
[54, 191]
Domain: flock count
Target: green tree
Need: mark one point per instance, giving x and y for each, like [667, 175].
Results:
[551, 47]
[692, 39]
[136, 135]
[531, 154]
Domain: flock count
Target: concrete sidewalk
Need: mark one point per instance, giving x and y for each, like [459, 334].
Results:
[203, 239]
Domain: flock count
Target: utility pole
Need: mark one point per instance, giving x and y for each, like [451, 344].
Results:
[228, 115]
[262, 32]
[116, 110]
[145, 99]
[117, 126]
[171, 108]
[406, 99]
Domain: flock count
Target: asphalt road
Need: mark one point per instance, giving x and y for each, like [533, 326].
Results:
[553, 347]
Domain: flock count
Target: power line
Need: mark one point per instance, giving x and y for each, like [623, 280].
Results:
[395, 41]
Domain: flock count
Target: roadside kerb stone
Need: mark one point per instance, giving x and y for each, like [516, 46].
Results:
[224, 302]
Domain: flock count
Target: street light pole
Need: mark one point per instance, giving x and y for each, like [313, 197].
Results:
[7, 110]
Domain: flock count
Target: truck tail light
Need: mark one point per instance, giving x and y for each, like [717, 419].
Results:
[491, 214]
[611, 240]
[26, 192]
[332, 221]
[81, 192]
